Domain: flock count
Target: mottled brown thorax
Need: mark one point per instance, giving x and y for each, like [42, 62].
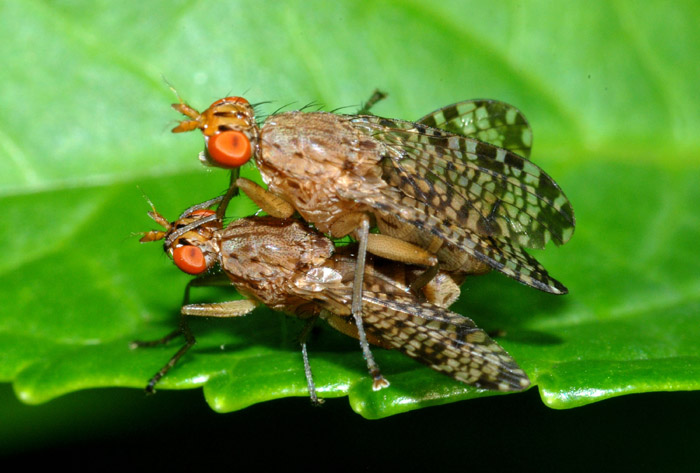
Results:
[313, 159]
[262, 255]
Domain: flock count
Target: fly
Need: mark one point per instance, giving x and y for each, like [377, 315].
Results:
[289, 267]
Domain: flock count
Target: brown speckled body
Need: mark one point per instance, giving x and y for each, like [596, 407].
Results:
[262, 255]
[291, 268]
[313, 159]
[272, 259]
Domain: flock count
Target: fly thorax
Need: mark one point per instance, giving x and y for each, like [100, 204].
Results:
[315, 160]
[265, 253]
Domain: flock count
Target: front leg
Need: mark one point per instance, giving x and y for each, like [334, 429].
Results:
[224, 309]
[223, 200]
[220, 309]
[209, 280]
[241, 307]
[204, 205]
[270, 203]
[230, 193]
[377, 96]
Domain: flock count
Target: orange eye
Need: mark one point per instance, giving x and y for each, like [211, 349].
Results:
[230, 149]
[230, 100]
[189, 259]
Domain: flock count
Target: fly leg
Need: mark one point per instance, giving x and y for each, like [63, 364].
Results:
[424, 248]
[183, 329]
[307, 366]
[230, 193]
[394, 249]
[222, 200]
[362, 235]
[223, 309]
[203, 205]
[377, 96]
[358, 224]
[210, 280]
[421, 281]
[270, 203]
[398, 250]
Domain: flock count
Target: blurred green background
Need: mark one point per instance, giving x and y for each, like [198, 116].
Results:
[609, 88]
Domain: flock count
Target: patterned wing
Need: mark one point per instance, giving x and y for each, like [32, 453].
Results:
[498, 253]
[475, 185]
[393, 318]
[443, 340]
[491, 121]
[483, 199]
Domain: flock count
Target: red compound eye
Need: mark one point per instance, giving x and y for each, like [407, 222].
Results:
[230, 149]
[230, 100]
[189, 259]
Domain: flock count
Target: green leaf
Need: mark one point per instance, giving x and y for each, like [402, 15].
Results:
[610, 92]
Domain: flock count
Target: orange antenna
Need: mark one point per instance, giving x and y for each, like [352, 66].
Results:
[172, 87]
[154, 235]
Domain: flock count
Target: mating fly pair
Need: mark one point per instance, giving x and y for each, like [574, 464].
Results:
[454, 191]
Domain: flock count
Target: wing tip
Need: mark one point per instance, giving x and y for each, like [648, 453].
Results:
[509, 379]
[545, 284]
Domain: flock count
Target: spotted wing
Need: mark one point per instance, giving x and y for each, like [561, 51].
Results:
[393, 318]
[485, 200]
[491, 121]
[475, 185]
[443, 340]
[499, 253]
